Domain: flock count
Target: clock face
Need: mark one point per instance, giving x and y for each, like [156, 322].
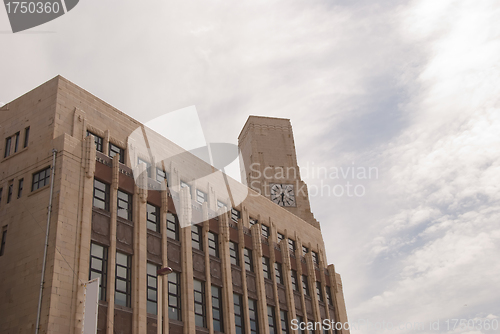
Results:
[282, 194]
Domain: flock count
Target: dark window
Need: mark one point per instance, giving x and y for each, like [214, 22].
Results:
[284, 322]
[305, 286]
[315, 257]
[1, 191]
[280, 237]
[239, 321]
[196, 237]
[233, 253]
[124, 205]
[300, 320]
[291, 245]
[199, 303]
[115, 150]
[272, 320]
[98, 141]
[161, 175]
[201, 197]
[152, 282]
[213, 244]
[4, 237]
[123, 279]
[101, 195]
[16, 142]
[172, 226]
[8, 144]
[253, 316]
[247, 254]
[253, 221]
[40, 179]
[26, 136]
[277, 273]
[318, 291]
[10, 190]
[293, 275]
[148, 165]
[20, 188]
[99, 267]
[153, 217]
[235, 215]
[305, 250]
[265, 267]
[217, 310]
[174, 296]
[329, 295]
[265, 231]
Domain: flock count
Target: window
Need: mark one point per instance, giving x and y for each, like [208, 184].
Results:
[253, 221]
[280, 237]
[40, 179]
[148, 165]
[305, 250]
[277, 273]
[99, 267]
[124, 205]
[265, 267]
[199, 304]
[8, 144]
[300, 320]
[115, 150]
[293, 274]
[318, 291]
[233, 253]
[153, 217]
[172, 226]
[201, 197]
[196, 240]
[305, 286]
[20, 188]
[239, 321]
[152, 288]
[218, 322]
[123, 279]
[1, 191]
[221, 204]
[101, 195]
[161, 175]
[235, 215]
[9, 191]
[4, 237]
[98, 141]
[16, 142]
[265, 231]
[253, 316]
[329, 295]
[213, 244]
[315, 257]
[174, 296]
[26, 136]
[284, 322]
[291, 245]
[271, 319]
[247, 254]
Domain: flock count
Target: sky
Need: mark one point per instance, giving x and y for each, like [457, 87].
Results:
[406, 89]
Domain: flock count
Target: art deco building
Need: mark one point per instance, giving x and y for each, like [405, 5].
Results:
[244, 259]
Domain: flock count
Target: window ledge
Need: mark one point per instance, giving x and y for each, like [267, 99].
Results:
[15, 154]
[39, 190]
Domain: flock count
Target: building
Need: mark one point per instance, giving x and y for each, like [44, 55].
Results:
[255, 262]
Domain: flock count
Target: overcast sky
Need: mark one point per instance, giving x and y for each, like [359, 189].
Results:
[410, 88]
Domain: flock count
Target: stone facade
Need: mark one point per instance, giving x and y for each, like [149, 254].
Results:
[59, 115]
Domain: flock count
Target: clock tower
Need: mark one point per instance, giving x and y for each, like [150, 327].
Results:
[270, 164]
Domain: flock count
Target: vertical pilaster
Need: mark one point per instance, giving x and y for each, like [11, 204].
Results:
[241, 245]
[261, 288]
[187, 262]
[287, 267]
[227, 280]
[163, 297]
